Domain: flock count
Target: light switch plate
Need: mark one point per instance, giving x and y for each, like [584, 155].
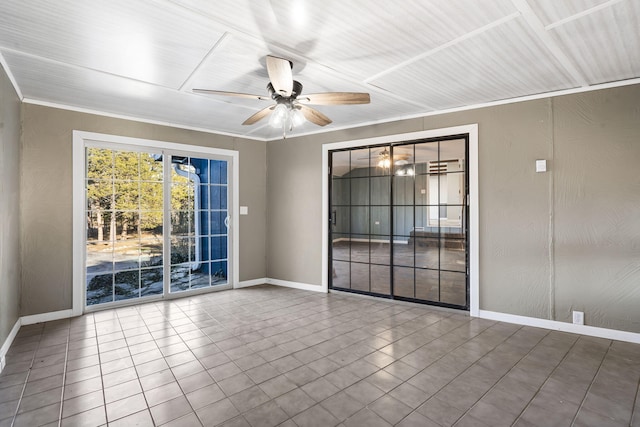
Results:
[541, 165]
[244, 210]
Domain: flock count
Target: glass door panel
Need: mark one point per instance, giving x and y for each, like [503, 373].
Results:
[199, 218]
[137, 243]
[123, 244]
[398, 221]
[361, 220]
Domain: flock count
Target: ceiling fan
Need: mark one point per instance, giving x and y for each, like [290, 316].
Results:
[290, 108]
[383, 158]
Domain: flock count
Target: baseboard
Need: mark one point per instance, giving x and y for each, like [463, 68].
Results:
[296, 285]
[253, 282]
[7, 343]
[46, 317]
[592, 331]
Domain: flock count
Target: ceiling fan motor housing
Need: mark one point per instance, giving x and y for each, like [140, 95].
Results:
[295, 91]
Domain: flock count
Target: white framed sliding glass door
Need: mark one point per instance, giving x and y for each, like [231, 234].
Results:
[151, 220]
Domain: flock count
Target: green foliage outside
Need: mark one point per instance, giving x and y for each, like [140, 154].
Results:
[124, 194]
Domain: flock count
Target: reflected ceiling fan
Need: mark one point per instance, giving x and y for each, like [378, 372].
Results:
[290, 108]
[383, 158]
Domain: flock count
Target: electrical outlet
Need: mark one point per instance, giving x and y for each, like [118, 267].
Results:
[578, 318]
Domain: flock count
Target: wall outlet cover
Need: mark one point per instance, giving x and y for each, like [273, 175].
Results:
[578, 318]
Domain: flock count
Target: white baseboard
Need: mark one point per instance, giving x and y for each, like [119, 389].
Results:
[296, 285]
[7, 343]
[46, 317]
[253, 282]
[592, 331]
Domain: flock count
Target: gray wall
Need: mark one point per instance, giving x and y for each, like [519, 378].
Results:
[47, 197]
[550, 243]
[9, 206]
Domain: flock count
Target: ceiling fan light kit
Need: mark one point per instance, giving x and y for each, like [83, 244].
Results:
[291, 109]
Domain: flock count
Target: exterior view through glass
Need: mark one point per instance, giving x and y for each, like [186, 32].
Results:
[399, 226]
[130, 224]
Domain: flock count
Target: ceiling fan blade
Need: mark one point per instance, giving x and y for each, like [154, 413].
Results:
[234, 94]
[336, 98]
[279, 70]
[314, 116]
[259, 115]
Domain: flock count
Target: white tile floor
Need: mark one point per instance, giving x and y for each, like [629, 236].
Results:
[269, 356]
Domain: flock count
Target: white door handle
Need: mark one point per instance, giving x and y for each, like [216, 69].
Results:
[227, 220]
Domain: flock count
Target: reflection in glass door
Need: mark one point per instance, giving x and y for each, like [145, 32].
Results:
[399, 221]
[360, 218]
[140, 243]
[199, 219]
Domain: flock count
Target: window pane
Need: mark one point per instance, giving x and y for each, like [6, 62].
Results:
[359, 191]
[360, 277]
[341, 247]
[340, 163]
[453, 151]
[127, 284]
[180, 277]
[341, 273]
[99, 164]
[427, 286]
[403, 282]
[380, 279]
[453, 288]
[151, 282]
[151, 196]
[99, 288]
[219, 273]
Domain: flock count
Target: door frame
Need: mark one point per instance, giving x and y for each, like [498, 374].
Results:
[80, 139]
[474, 223]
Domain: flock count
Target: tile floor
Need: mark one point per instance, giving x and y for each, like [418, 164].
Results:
[269, 356]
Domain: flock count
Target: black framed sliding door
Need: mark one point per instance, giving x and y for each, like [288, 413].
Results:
[399, 221]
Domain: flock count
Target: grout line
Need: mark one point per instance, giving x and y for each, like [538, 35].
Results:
[26, 380]
[506, 373]
[64, 375]
[573, 420]
[296, 310]
[165, 360]
[104, 398]
[547, 379]
[449, 352]
[634, 413]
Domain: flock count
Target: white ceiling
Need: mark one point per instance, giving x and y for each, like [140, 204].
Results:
[140, 59]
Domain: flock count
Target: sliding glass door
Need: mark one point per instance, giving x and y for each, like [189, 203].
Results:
[399, 221]
[199, 219]
[156, 223]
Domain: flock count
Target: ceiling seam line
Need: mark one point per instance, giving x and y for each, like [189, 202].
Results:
[376, 89]
[80, 67]
[536, 25]
[105, 73]
[217, 45]
[582, 14]
[444, 46]
[11, 77]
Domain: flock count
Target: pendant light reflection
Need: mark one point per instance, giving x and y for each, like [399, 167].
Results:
[405, 172]
[385, 159]
[401, 166]
[286, 117]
